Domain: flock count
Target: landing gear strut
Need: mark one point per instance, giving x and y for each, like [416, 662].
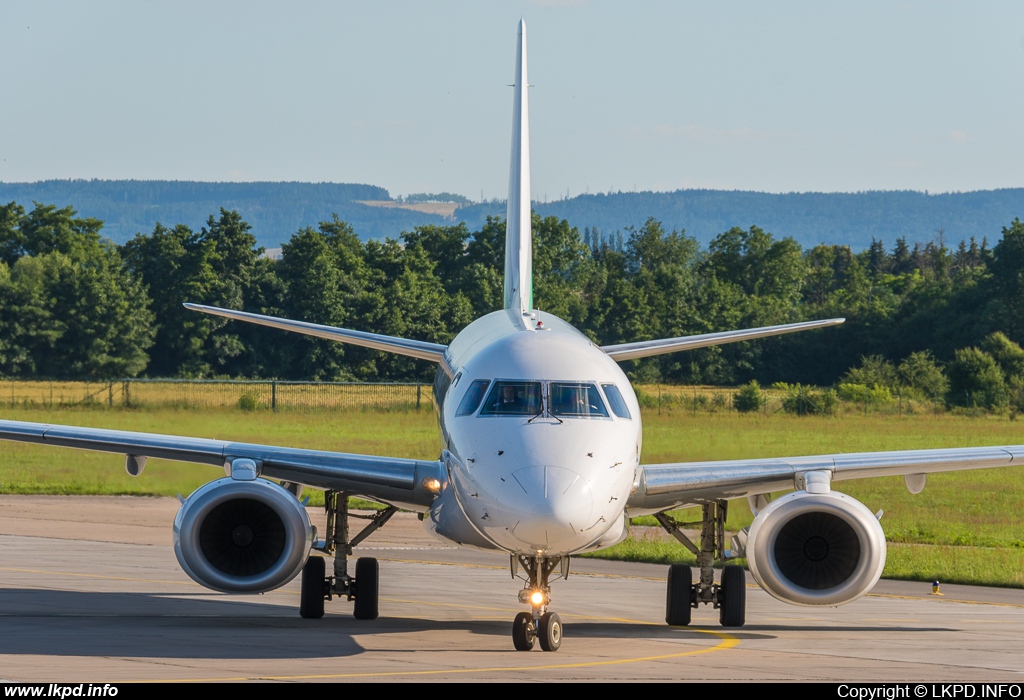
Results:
[362, 588]
[540, 624]
[729, 596]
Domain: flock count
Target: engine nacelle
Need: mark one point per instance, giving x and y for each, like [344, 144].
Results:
[242, 536]
[816, 548]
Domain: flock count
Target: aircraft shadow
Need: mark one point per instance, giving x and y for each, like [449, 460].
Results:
[627, 630]
[205, 626]
[209, 626]
[840, 628]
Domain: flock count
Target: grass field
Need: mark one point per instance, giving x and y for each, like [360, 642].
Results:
[964, 527]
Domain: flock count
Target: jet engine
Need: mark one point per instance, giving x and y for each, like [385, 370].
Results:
[242, 536]
[816, 548]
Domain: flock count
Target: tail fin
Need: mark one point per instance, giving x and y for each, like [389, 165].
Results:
[518, 231]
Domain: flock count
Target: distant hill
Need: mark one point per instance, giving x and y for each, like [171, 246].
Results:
[810, 218]
[277, 209]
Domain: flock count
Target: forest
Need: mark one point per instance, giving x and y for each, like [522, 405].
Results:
[942, 318]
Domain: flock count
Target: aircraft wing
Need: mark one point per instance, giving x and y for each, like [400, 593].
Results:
[400, 346]
[663, 486]
[646, 348]
[389, 479]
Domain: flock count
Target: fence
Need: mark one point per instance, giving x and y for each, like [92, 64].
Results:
[807, 401]
[349, 396]
[199, 393]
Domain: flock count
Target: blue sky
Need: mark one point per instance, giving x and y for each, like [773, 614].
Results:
[773, 96]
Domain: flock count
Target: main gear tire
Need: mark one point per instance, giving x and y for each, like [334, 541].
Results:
[679, 599]
[367, 586]
[732, 597]
[311, 591]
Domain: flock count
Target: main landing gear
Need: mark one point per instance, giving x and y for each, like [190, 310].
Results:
[729, 596]
[362, 588]
[540, 624]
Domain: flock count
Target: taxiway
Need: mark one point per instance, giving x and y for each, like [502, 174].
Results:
[90, 591]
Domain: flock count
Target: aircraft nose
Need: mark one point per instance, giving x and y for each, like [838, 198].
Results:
[546, 505]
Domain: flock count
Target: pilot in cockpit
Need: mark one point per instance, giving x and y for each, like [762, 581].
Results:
[510, 398]
[572, 401]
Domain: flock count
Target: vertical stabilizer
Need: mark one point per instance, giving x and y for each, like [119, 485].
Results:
[518, 233]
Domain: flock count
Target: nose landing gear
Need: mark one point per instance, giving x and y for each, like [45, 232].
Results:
[540, 624]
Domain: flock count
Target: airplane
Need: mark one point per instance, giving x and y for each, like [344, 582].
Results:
[542, 443]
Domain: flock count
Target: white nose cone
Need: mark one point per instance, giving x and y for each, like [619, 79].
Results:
[546, 506]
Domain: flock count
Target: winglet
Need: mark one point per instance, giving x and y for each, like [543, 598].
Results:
[518, 232]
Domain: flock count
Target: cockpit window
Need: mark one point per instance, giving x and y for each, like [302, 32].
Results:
[474, 395]
[577, 400]
[513, 399]
[619, 407]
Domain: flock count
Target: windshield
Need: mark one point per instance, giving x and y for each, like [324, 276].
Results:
[474, 395]
[615, 399]
[574, 399]
[513, 399]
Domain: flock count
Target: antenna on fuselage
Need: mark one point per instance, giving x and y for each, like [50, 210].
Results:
[518, 231]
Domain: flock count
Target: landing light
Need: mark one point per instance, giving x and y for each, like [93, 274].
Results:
[537, 597]
[431, 484]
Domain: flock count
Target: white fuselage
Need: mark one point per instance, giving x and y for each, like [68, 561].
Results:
[549, 482]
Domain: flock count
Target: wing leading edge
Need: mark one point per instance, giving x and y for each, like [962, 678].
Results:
[389, 479]
[663, 486]
[646, 348]
[400, 346]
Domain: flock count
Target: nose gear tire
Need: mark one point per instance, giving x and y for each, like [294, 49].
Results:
[550, 631]
[523, 635]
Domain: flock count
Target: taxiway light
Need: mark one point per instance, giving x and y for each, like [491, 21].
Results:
[431, 484]
[537, 598]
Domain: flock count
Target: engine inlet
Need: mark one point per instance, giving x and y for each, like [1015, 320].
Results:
[242, 537]
[817, 550]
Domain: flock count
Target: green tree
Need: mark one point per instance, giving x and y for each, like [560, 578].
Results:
[563, 270]
[218, 266]
[446, 248]
[483, 276]
[922, 374]
[1007, 354]
[47, 229]
[175, 265]
[759, 264]
[749, 398]
[28, 328]
[107, 324]
[315, 293]
[874, 370]
[68, 306]
[1007, 268]
[975, 380]
[410, 302]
